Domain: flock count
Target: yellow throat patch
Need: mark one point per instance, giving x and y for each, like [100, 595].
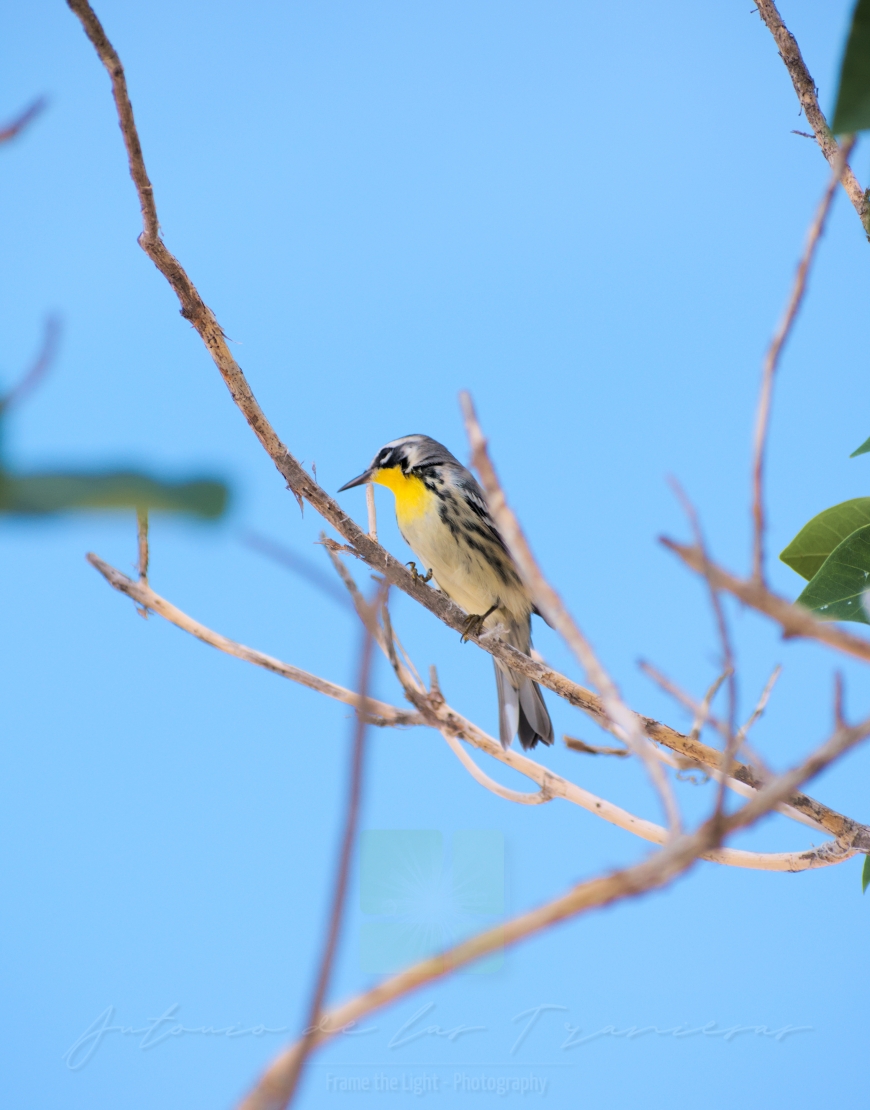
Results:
[412, 497]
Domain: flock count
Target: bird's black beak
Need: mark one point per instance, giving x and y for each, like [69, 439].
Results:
[360, 481]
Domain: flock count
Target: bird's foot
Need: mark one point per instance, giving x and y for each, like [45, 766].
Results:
[474, 624]
[417, 576]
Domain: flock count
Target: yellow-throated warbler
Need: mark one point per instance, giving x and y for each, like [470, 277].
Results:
[441, 512]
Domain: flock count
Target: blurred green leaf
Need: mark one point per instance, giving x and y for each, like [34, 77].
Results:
[41, 494]
[865, 874]
[835, 592]
[818, 538]
[862, 450]
[852, 112]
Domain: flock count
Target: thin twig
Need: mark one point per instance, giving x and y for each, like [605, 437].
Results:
[554, 611]
[701, 711]
[446, 719]
[13, 129]
[292, 560]
[839, 716]
[762, 421]
[728, 661]
[142, 530]
[38, 368]
[142, 537]
[795, 620]
[702, 714]
[761, 705]
[844, 828]
[299, 482]
[593, 749]
[356, 597]
[302, 486]
[805, 87]
[653, 873]
[383, 715]
[479, 776]
[280, 1099]
[742, 745]
[372, 512]
[439, 715]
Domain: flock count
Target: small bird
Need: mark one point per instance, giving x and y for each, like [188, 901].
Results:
[442, 514]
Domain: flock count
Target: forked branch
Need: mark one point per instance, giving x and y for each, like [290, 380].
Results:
[805, 87]
[661, 868]
[762, 421]
[434, 711]
[303, 486]
[619, 717]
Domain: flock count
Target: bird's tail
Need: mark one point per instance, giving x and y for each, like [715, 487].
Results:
[521, 708]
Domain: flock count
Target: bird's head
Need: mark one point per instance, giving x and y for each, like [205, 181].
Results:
[402, 460]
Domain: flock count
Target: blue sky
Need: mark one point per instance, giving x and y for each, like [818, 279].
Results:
[588, 215]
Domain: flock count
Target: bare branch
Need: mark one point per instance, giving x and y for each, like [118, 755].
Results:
[142, 537]
[805, 87]
[194, 309]
[436, 713]
[657, 871]
[383, 715]
[794, 620]
[302, 486]
[763, 700]
[593, 749]
[356, 598]
[343, 868]
[839, 716]
[372, 511]
[759, 771]
[771, 362]
[13, 129]
[551, 606]
[292, 560]
[725, 640]
[702, 713]
[542, 795]
[849, 831]
[38, 368]
[142, 530]
[298, 481]
[742, 745]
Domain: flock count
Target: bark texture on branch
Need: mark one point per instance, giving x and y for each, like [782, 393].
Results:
[674, 859]
[304, 487]
[807, 94]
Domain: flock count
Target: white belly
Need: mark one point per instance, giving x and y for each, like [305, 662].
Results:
[461, 572]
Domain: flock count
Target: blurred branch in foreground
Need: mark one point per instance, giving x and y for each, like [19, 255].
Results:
[297, 563]
[13, 129]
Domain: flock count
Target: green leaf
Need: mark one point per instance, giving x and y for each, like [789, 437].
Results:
[835, 593]
[862, 450]
[42, 494]
[852, 112]
[865, 875]
[818, 538]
